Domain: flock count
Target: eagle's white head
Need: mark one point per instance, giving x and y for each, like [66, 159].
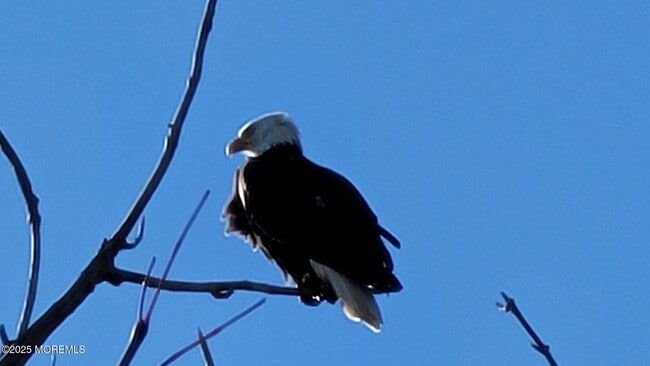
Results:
[262, 133]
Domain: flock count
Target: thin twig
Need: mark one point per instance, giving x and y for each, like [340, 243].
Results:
[96, 271]
[177, 247]
[143, 289]
[138, 332]
[141, 326]
[34, 219]
[212, 333]
[509, 306]
[205, 349]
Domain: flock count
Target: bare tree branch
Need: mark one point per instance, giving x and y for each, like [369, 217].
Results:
[34, 219]
[218, 290]
[141, 326]
[205, 350]
[171, 142]
[509, 306]
[212, 333]
[98, 268]
[177, 247]
[143, 289]
[40, 330]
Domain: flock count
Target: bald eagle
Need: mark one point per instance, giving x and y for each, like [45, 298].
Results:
[311, 221]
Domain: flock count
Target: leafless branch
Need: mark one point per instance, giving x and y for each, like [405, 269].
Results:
[509, 306]
[141, 326]
[205, 350]
[143, 289]
[171, 142]
[218, 290]
[98, 268]
[34, 219]
[212, 333]
[177, 247]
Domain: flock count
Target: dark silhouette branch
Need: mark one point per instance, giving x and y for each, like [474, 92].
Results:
[177, 247]
[141, 326]
[143, 289]
[509, 306]
[40, 330]
[219, 290]
[174, 133]
[205, 350]
[212, 333]
[99, 267]
[138, 333]
[34, 219]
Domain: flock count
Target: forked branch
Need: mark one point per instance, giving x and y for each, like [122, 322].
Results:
[99, 267]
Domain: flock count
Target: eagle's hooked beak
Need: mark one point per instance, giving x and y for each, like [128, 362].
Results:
[236, 145]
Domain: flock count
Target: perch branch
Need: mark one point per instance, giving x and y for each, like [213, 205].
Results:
[96, 271]
[217, 289]
[34, 219]
[509, 306]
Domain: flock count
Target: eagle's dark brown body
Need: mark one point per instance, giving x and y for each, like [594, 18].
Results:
[297, 211]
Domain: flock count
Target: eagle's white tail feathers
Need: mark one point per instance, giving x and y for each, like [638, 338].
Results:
[357, 301]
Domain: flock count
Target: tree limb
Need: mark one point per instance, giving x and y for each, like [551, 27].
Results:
[205, 349]
[34, 219]
[212, 333]
[174, 133]
[509, 306]
[140, 327]
[219, 290]
[96, 271]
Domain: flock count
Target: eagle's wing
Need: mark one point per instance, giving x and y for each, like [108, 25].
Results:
[345, 231]
[234, 214]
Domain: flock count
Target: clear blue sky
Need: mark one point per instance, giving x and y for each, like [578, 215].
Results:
[505, 144]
